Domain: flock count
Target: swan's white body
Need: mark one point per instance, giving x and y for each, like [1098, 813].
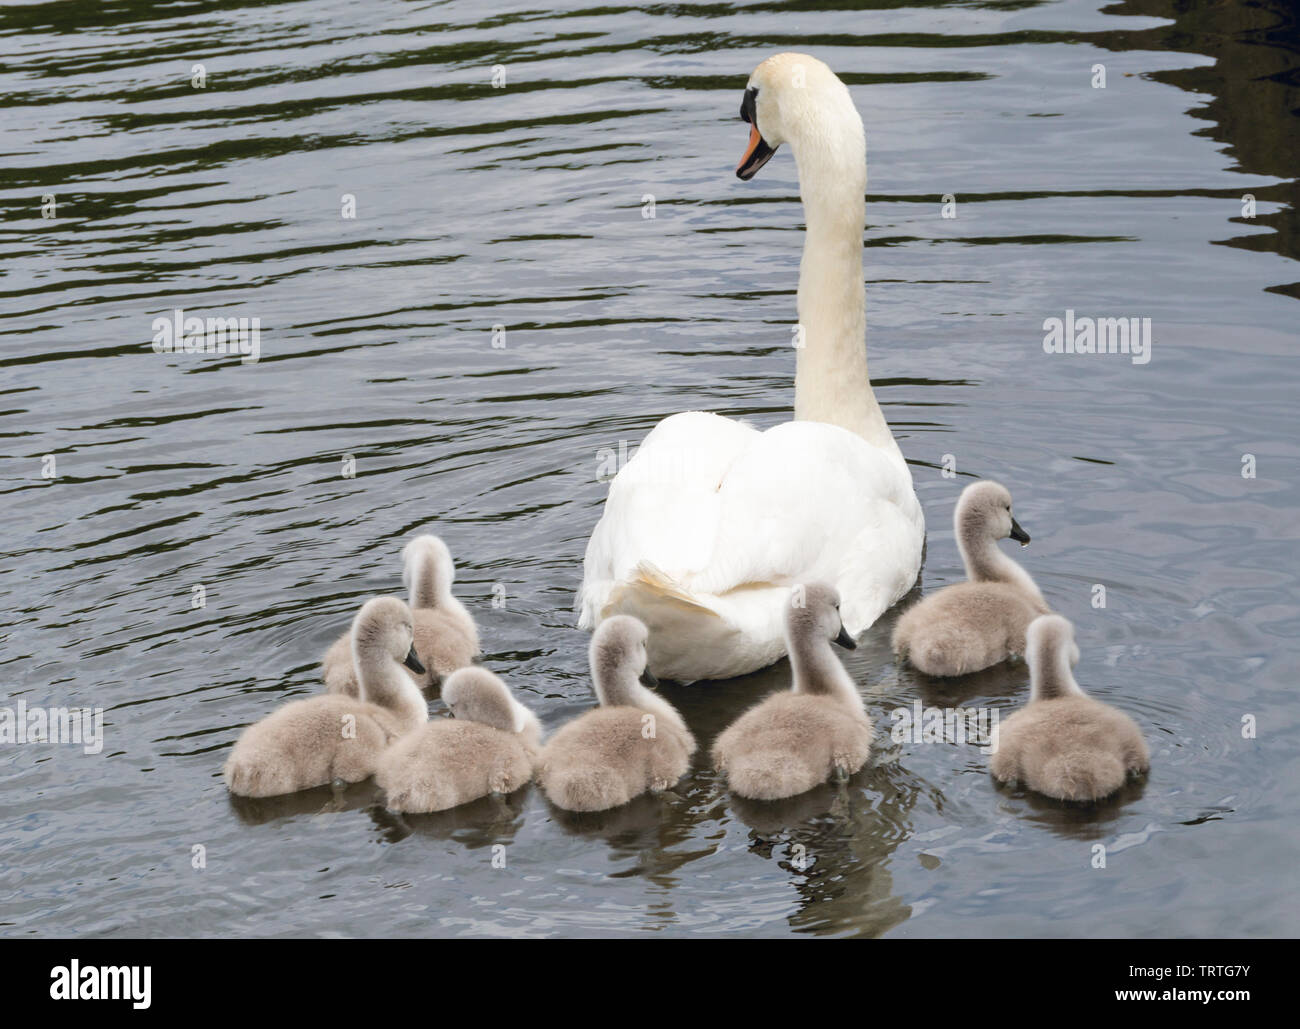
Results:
[710, 523]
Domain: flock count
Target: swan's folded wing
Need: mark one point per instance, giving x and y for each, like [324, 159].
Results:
[663, 506]
[803, 502]
[711, 505]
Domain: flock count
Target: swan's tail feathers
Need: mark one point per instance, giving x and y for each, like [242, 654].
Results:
[646, 589]
[585, 788]
[648, 581]
[770, 775]
[695, 635]
[1082, 776]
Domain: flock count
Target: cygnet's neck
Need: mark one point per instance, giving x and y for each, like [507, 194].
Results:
[985, 562]
[831, 380]
[1051, 675]
[383, 682]
[621, 687]
[818, 672]
[430, 584]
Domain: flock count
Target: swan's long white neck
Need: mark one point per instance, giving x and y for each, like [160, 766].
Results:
[831, 380]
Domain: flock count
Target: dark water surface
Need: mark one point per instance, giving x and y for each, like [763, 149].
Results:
[523, 207]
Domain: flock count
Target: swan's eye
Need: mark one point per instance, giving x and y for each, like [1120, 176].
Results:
[747, 105]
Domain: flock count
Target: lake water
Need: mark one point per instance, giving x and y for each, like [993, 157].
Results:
[526, 208]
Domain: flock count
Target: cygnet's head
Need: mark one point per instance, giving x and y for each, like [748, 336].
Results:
[427, 570]
[814, 614]
[796, 99]
[1051, 653]
[383, 628]
[476, 695]
[984, 513]
[618, 658]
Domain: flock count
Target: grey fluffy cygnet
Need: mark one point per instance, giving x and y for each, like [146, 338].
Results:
[445, 635]
[489, 745]
[973, 625]
[1063, 743]
[633, 743]
[317, 741]
[792, 742]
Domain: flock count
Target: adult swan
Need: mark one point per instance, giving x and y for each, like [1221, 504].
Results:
[708, 526]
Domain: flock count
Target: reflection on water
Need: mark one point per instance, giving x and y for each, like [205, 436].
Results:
[500, 313]
[1251, 97]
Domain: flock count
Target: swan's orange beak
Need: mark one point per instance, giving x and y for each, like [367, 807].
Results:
[757, 154]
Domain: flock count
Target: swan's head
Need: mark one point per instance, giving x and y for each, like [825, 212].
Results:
[984, 513]
[796, 99]
[814, 614]
[1051, 653]
[427, 561]
[383, 628]
[476, 695]
[619, 658]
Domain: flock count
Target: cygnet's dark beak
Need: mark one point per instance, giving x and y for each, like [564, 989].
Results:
[413, 662]
[1018, 534]
[648, 680]
[845, 640]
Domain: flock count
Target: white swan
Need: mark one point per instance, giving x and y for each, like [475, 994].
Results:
[711, 522]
